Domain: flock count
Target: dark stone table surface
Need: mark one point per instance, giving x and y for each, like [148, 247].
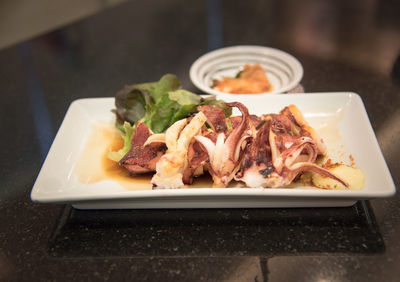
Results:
[343, 46]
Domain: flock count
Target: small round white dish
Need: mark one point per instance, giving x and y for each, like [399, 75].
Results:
[283, 70]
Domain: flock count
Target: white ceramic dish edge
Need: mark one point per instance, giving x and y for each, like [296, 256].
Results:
[294, 62]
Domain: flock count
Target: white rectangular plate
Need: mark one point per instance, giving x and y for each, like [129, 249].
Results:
[344, 114]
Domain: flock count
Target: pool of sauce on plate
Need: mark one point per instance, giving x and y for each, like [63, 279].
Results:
[93, 165]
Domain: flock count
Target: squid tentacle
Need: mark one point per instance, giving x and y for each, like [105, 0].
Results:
[225, 154]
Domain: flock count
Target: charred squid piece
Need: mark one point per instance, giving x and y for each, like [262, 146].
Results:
[289, 174]
[254, 121]
[277, 155]
[226, 153]
[142, 158]
[257, 168]
[197, 158]
[171, 166]
[215, 117]
[287, 149]
[257, 163]
[303, 128]
[292, 155]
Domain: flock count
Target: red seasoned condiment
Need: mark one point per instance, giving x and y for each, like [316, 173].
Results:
[252, 80]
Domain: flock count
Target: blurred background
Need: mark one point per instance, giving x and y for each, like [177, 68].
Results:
[22, 19]
[364, 32]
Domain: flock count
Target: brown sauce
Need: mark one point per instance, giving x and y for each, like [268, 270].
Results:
[93, 165]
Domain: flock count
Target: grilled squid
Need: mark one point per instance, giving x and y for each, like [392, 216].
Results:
[171, 166]
[300, 126]
[143, 155]
[226, 153]
[271, 150]
[283, 146]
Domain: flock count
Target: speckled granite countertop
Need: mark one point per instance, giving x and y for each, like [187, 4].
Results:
[355, 48]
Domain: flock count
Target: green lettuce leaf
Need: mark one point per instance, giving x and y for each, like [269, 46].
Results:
[127, 137]
[184, 97]
[186, 104]
[130, 104]
[158, 104]
[159, 115]
[139, 100]
[167, 83]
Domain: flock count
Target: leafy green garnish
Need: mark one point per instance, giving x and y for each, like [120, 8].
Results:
[168, 82]
[158, 104]
[131, 104]
[238, 74]
[128, 130]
